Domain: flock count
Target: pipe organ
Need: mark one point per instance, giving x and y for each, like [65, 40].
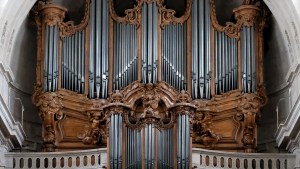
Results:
[150, 84]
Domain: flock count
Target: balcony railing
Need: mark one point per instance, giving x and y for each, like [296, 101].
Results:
[208, 159]
[97, 158]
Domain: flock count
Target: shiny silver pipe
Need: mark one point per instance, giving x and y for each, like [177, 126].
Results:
[144, 38]
[226, 61]
[50, 58]
[216, 47]
[116, 50]
[187, 127]
[92, 52]
[220, 59]
[46, 56]
[231, 64]
[104, 46]
[235, 64]
[179, 143]
[82, 79]
[55, 58]
[249, 78]
[253, 65]
[167, 29]
[63, 66]
[116, 141]
[180, 57]
[98, 49]
[184, 143]
[194, 48]
[201, 47]
[184, 77]
[67, 62]
[155, 40]
[75, 61]
[118, 54]
[150, 43]
[223, 62]
[120, 142]
[112, 140]
[79, 61]
[208, 47]
[244, 53]
[123, 56]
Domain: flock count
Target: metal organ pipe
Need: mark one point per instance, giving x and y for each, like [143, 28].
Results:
[73, 65]
[174, 55]
[125, 55]
[51, 58]
[201, 68]
[98, 58]
[225, 62]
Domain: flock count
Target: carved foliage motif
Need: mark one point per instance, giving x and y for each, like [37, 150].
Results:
[132, 16]
[49, 105]
[153, 97]
[246, 15]
[168, 15]
[69, 28]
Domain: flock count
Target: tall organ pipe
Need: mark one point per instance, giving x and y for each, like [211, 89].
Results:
[174, 55]
[73, 62]
[125, 55]
[51, 58]
[115, 137]
[248, 60]
[98, 58]
[201, 68]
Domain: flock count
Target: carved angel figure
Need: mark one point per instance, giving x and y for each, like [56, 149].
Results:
[203, 130]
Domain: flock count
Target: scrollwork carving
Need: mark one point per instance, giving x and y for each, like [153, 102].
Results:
[168, 15]
[132, 16]
[69, 28]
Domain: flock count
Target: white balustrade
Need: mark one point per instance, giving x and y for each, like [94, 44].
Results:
[97, 158]
[83, 159]
[209, 159]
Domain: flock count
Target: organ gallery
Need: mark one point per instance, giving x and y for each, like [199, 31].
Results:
[150, 83]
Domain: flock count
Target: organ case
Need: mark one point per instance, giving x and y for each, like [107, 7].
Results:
[147, 77]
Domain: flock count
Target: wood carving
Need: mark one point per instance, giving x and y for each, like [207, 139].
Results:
[49, 105]
[69, 28]
[168, 15]
[132, 16]
[203, 130]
